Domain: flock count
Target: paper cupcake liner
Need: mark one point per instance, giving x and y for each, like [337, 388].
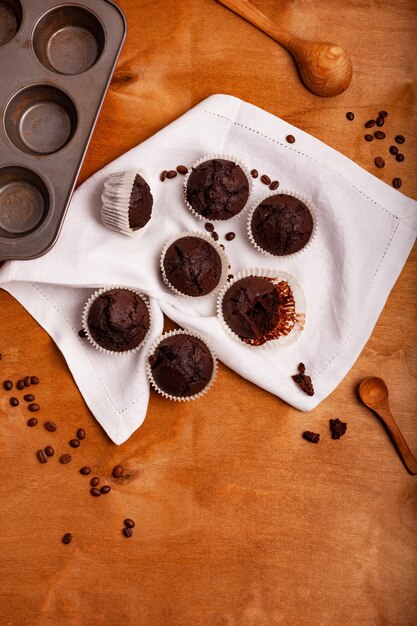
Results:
[149, 369]
[283, 341]
[116, 199]
[209, 157]
[86, 311]
[216, 246]
[297, 195]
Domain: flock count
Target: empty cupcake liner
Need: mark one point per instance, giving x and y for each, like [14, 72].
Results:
[116, 199]
[216, 246]
[283, 341]
[209, 157]
[297, 195]
[86, 311]
[161, 391]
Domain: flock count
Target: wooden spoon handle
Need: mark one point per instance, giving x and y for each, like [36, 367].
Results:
[398, 439]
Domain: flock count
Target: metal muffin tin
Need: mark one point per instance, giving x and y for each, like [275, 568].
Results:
[56, 63]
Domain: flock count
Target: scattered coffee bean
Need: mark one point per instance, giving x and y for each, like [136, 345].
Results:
[290, 138]
[209, 227]
[20, 384]
[74, 443]
[152, 359]
[265, 179]
[49, 451]
[383, 114]
[51, 426]
[29, 397]
[117, 471]
[14, 401]
[369, 137]
[254, 173]
[85, 470]
[370, 123]
[350, 116]
[380, 121]
[32, 422]
[337, 428]
[397, 183]
[94, 481]
[82, 333]
[171, 174]
[34, 407]
[95, 492]
[274, 185]
[42, 456]
[163, 175]
[230, 277]
[65, 458]
[379, 134]
[379, 162]
[310, 436]
[105, 489]
[81, 433]
[215, 235]
[303, 381]
[67, 538]
[127, 532]
[8, 385]
[230, 236]
[393, 150]
[129, 523]
[399, 157]
[400, 139]
[27, 381]
[34, 380]
[182, 169]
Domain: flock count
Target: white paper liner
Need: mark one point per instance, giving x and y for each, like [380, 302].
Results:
[115, 201]
[86, 311]
[172, 333]
[209, 157]
[300, 307]
[300, 197]
[223, 257]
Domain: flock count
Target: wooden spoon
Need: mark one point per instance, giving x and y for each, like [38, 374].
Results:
[374, 394]
[325, 68]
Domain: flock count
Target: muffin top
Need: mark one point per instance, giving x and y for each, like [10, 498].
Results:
[140, 204]
[193, 266]
[281, 224]
[217, 189]
[118, 320]
[182, 365]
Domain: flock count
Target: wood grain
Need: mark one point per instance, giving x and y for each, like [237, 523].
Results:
[239, 521]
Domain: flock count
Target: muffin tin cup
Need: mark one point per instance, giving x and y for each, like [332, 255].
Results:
[86, 311]
[300, 197]
[300, 308]
[209, 157]
[172, 333]
[223, 257]
[116, 200]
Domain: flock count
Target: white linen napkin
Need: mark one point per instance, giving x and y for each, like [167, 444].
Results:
[366, 230]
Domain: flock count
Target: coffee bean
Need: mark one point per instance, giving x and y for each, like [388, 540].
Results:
[230, 236]
[117, 471]
[8, 385]
[209, 227]
[369, 137]
[42, 456]
[397, 183]
[20, 384]
[380, 121]
[400, 138]
[94, 481]
[254, 173]
[81, 433]
[65, 458]
[215, 236]
[67, 538]
[182, 169]
[152, 359]
[290, 138]
[34, 407]
[265, 179]
[85, 471]
[370, 123]
[129, 523]
[383, 114]
[127, 532]
[95, 492]
[393, 150]
[274, 185]
[105, 489]
[379, 134]
[82, 333]
[163, 175]
[29, 397]
[27, 381]
[171, 174]
[399, 157]
[230, 277]
[379, 162]
[74, 443]
[350, 116]
[34, 380]
[14, 401]
[32, 422]
[49, 451]
[51, 426]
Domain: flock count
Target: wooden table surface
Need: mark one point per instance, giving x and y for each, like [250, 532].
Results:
[239, 521]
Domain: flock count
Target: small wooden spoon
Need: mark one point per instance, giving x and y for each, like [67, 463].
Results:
[374, 394]
[325, 68]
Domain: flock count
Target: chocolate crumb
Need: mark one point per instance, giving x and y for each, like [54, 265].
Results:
[310, 436]
[303, 381]
[337, 428]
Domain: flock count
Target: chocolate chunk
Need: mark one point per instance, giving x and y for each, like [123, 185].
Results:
[310, 436]
[303, 381]
[337, 428]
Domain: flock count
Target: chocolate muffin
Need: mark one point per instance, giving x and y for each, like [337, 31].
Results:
[181, 365]
[140, 203]
[281, 224]
[217, 189]
[126, 202]
[193, 266]
[118, 320]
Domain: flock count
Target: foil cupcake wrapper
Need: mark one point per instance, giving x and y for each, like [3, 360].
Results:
[161, 391]
[223, 257]
[282, 341]
[115, 201]
[86, 311]
[297, 195]
[209, 157]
